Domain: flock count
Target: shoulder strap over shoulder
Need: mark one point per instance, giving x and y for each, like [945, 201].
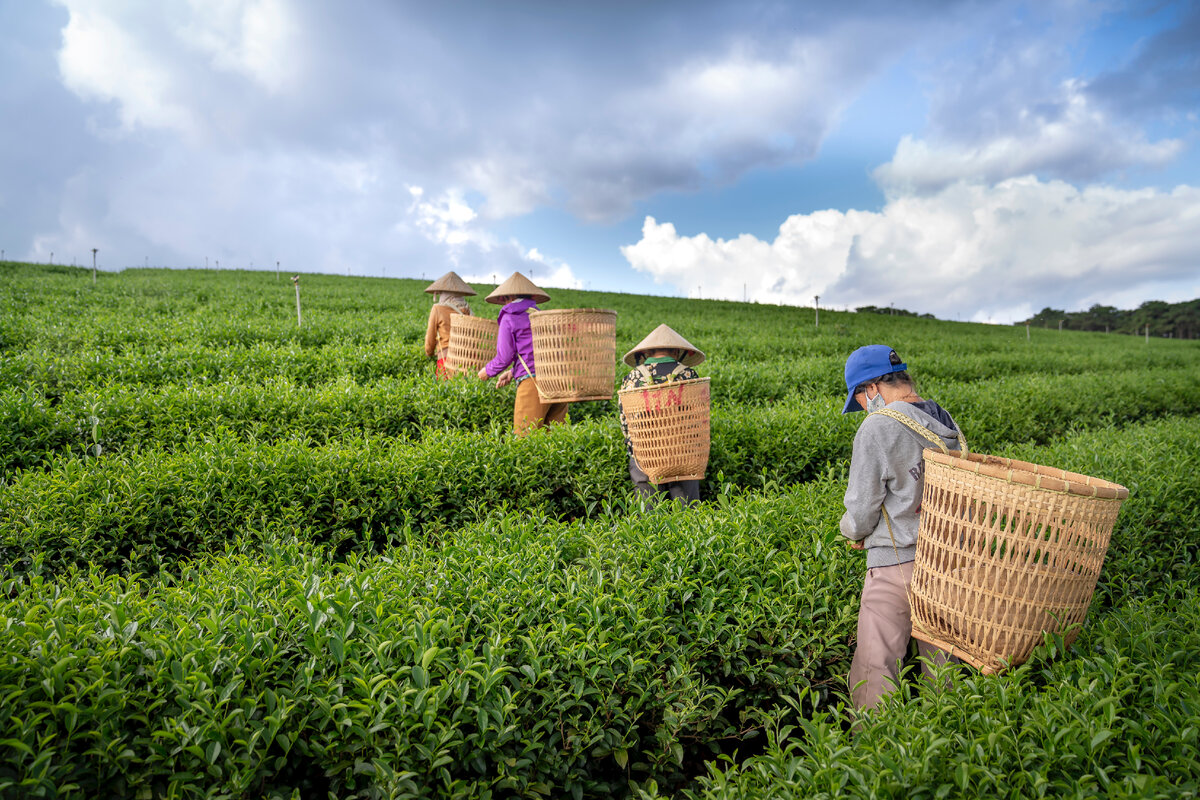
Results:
[648, 374]
[915, 426]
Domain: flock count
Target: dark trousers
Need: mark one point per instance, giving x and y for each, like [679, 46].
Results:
[686, 492]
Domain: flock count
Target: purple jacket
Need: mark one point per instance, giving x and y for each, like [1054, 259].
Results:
[513, 338]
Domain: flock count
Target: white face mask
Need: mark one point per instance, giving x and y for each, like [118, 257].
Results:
[875, 403]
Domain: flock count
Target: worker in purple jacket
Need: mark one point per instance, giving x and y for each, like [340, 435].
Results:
[514, 354]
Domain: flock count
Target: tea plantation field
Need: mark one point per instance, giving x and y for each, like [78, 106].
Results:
[247, 559]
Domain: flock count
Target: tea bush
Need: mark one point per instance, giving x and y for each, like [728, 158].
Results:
[120, 417]
[526, 656]
[147, 508]
[139, 510]
[150, 507]
[247, 559]
[1116, 719]
[522, 656]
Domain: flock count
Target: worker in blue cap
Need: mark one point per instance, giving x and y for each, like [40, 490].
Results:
[883, 500]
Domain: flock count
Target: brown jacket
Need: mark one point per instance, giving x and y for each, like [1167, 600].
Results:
[437, 334]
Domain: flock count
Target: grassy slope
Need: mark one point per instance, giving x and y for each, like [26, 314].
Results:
[222, 425]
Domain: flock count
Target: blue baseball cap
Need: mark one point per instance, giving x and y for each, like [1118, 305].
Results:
[866, 364]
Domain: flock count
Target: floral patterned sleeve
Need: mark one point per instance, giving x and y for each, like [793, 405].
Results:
[632, 381]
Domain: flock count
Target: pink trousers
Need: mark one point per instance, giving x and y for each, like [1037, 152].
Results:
[884, 628]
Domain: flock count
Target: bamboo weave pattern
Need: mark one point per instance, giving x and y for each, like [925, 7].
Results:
[574, 354]
[669, 428]
[472, 343]
[1006, 550]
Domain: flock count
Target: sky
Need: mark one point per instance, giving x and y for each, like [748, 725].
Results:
[973, 160]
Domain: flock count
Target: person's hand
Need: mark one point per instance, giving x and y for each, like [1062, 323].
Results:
[504, 378]
[856, 545]
[483, 376]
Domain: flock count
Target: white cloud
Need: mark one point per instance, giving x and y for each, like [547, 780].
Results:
[742, 98]
[451, 222]
[558, 277]
[512, 187]
[399, 134]
[969, 251]
[100, 59]
[162, 65]
[598, 135]
[447, 219]
[1074, 141]
[256, 38]
[518, 122]
[552, 272]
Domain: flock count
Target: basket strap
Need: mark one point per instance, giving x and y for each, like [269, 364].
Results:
[915, 426]
[908, 595]
[528, 371]
[933, 437]
[925, 433]
[648, 376]
[922, 431]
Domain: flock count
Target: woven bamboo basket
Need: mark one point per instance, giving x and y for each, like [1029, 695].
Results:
[472, 343]
[574, 354]
[668, 428]
[1006, 550]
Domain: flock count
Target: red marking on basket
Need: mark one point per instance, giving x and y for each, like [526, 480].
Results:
[674, 398]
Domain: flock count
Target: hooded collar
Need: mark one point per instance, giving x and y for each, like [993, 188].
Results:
[918, 414]
[518, 306]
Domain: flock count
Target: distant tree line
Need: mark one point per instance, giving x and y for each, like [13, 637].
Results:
[1175, 320]
[896, 312]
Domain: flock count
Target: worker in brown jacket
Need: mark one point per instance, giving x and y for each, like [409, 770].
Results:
[452, 292]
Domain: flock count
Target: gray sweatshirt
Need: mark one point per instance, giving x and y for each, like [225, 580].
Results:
[887, 470]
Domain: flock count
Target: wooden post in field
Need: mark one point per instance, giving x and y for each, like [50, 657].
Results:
[296, 283]
[1147, 333]
[276, 270]
[94, 251]
[816, 310]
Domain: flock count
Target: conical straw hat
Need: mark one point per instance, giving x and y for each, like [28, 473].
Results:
[663, 336]
[516, 284]
[450, 282]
